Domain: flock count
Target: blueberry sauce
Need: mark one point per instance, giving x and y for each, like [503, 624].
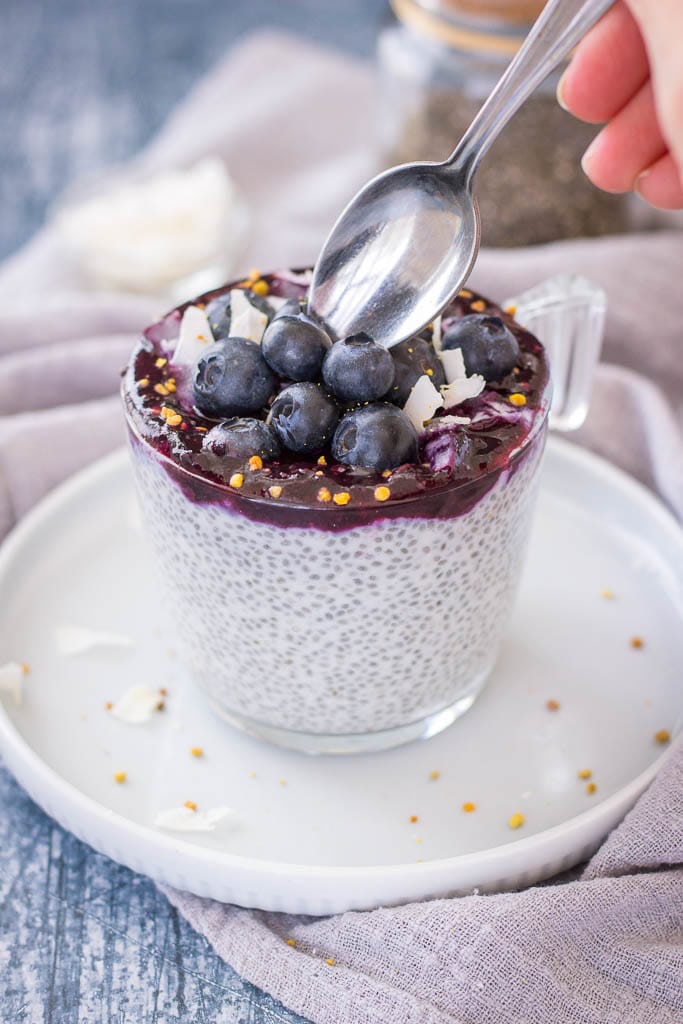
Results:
[458, 463]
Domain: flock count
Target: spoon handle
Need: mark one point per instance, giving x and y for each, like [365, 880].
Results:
[562, 24]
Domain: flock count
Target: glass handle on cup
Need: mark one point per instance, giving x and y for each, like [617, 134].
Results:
[567, 314]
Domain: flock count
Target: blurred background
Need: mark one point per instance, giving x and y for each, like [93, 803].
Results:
[86, 84]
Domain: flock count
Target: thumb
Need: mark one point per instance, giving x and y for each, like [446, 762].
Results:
[661, 26]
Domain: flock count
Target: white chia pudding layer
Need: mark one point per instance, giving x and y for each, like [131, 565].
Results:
[339, 632]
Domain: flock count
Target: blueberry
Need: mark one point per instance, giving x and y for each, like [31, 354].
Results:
[378, 436]
[304, 417]
[231, 378]
[412, 359]
[241, 438]
[488, 346]
[292, 307]
[219, 314]
[295, 346]
[357, 369]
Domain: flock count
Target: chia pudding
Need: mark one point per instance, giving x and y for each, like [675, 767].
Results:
[339, 528]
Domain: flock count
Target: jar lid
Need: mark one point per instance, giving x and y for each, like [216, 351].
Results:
[506, 10]
[486, 26]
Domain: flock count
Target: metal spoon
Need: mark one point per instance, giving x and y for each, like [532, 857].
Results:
[406, 243]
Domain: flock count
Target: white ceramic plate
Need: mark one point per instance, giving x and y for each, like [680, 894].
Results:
[322, 835]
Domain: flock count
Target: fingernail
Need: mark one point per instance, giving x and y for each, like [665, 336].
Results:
[641, 177]
[560, 91]
[588, 156]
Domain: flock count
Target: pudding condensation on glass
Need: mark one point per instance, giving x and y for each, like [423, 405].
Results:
[339, 528]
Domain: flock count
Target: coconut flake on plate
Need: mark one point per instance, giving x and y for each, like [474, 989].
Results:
[184, 819]
[78, 639]
[12, 680]
[195, 336]
[423, 401]
[137, 705]
[246, 321]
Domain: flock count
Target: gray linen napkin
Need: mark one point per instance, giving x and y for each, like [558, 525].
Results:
[606, 946]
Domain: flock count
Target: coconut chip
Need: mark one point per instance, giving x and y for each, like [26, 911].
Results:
[195, 336]
[78, 639]
[184, 819]
[12, 680]
[137, 705]
[423, 401]
[460, 390]
[246, 321]
[437, 334]
[460, 387]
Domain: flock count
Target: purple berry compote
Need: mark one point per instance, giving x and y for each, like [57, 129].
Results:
[340, 527]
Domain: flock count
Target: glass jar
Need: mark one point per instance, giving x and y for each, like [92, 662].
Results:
[439, 61]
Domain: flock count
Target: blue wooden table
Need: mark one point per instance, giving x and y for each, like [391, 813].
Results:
[83, 84]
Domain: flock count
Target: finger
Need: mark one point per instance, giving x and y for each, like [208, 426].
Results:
[609, 67]
[627, 146]
[660, 185]
[661, 25]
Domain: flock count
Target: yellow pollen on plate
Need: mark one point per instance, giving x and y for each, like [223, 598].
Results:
[25, 667]
[236, 480]
[637, 643]
[275, 491]
[552, 705]
[434, 775]
[584, 773]
[290, 942]
[516, 820]
[517, 399]
[283, 782]
[331, 961]
[341, 498]
[324, 494]
[469, 807]
[119, 777]
[196, 751]
[255, 462]
[591, 788]
[663, 736]
[382, 493]
[608, 594]
[191, 805]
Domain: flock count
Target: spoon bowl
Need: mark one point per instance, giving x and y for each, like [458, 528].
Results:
[389, 264]
[407, 242]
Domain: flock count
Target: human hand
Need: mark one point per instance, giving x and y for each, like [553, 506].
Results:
[628, 74]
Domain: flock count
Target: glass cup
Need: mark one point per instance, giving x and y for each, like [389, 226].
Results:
[354, 636]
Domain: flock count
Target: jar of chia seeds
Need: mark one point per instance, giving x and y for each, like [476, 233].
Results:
[439, 60]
